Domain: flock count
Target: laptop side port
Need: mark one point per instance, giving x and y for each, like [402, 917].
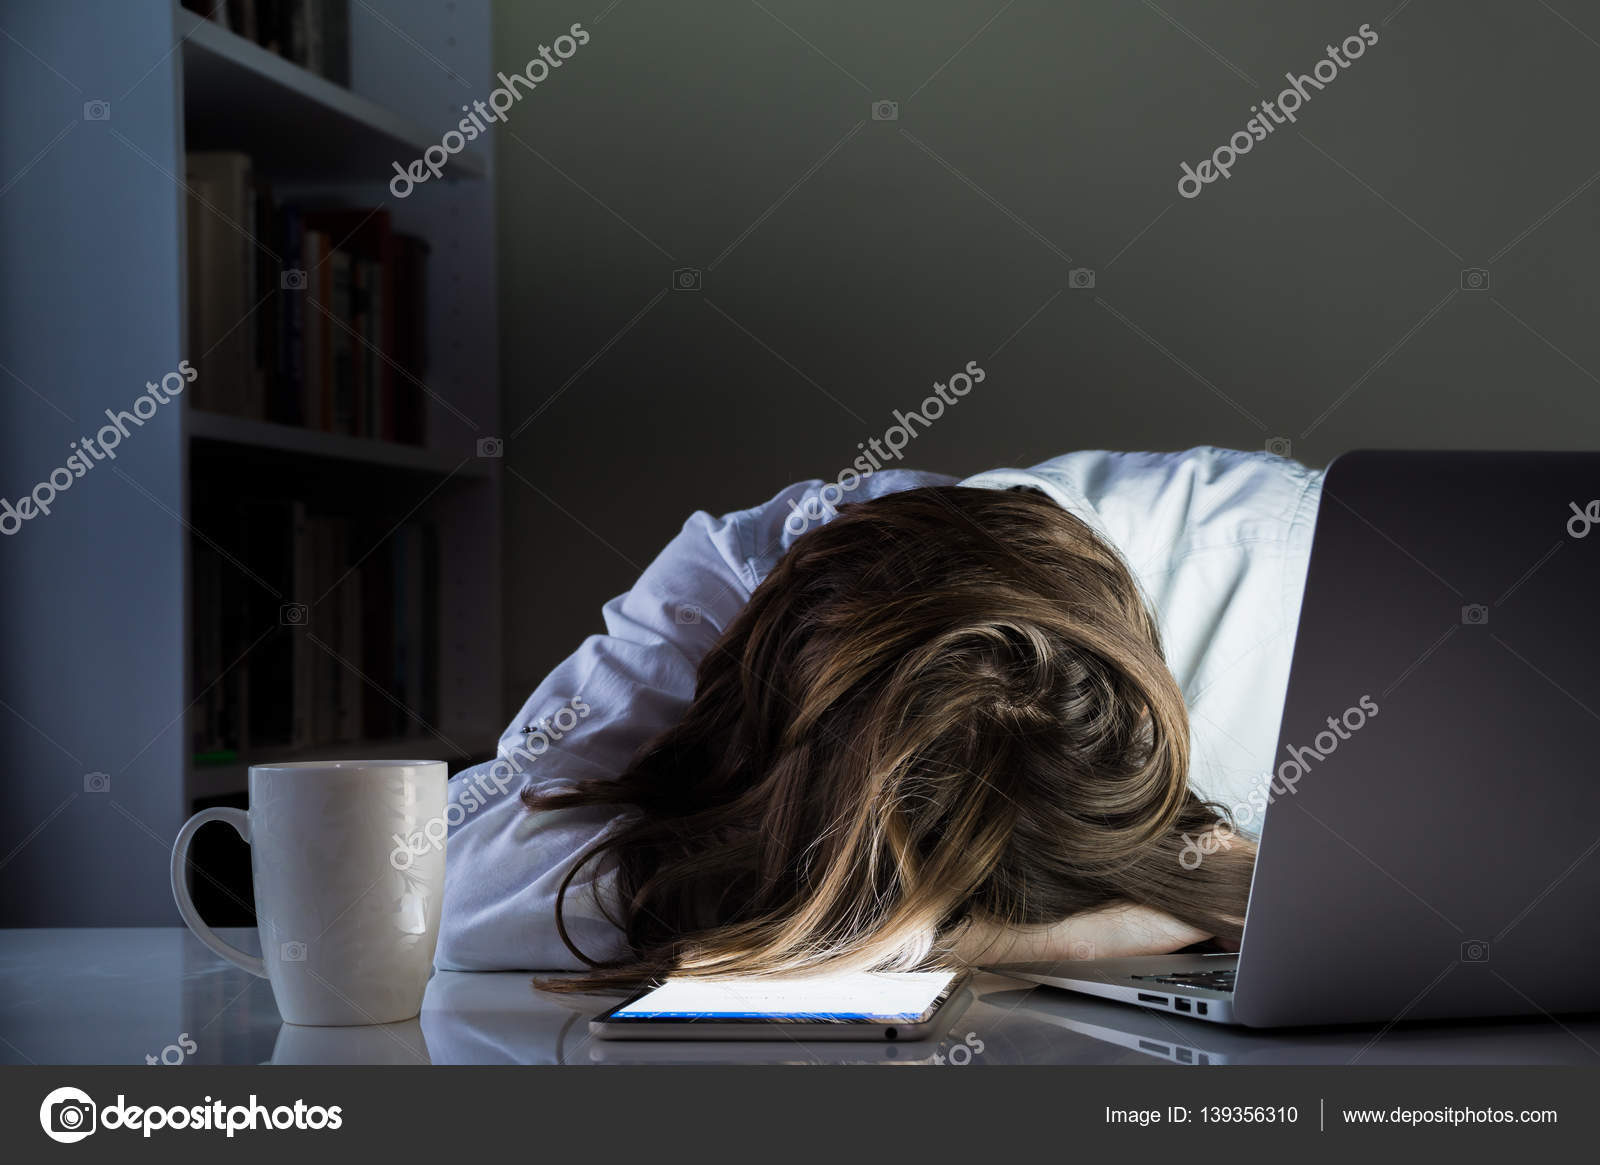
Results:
[1181, 1004]
[1200, 1006]
[1145, 997]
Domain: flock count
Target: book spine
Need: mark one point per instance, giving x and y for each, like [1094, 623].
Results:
[350, 645]
[300, 727]
[336, 41]
[200, 294]
[316, 45]
[324, 412]
[372, 349]
[342, 384]
[292, 322]
[357, 323]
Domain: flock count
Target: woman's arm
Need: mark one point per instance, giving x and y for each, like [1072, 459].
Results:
[1117, 931]
[1111, 932]
[614, 694]
[589, 716]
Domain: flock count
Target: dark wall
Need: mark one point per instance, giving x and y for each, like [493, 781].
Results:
[1316, 296]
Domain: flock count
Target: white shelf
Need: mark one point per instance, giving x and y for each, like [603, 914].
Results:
[107, 662]
[293, 123]
[293, 441]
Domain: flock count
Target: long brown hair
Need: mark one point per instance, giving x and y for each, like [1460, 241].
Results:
[946, 705]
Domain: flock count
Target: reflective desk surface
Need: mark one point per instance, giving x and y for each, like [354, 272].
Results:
[133, 996]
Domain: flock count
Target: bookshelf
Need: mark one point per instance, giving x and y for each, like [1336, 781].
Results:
[236, 91]
[101, 654]
[293, 441]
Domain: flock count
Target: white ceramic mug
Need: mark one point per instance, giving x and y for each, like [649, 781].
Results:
[347, 934]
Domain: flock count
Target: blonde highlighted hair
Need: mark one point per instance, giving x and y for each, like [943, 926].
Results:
[946, 706]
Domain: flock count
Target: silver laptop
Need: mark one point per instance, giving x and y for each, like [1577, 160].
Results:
[1442, 860]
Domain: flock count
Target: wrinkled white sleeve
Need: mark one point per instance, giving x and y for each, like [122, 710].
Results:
[615, 693]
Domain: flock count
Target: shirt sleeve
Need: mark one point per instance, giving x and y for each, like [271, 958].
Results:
[589, 717]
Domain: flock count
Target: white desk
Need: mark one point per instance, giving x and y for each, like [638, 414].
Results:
[115, 996]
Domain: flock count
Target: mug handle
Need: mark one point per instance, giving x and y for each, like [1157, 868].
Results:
[240, 820]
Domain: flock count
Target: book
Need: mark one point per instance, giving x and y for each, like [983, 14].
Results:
[378, 646]
[348, 596]
[313, 43]
[341, 385]
[313, 327]
[224, 268]
[289, 373]
[359, 325]
[267, 530]
[301, 732]
[242, 18]
[296, 17]
[336, 41]
[265, 301]
[202, 295]
[269, 26]
[302, 316]
[410, 346]
[311, 647]
[318, 314]
[366, 235]
[374, 368]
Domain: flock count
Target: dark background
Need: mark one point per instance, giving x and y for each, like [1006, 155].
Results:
[1316, 296]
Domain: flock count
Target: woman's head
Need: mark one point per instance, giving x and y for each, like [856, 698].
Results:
[947, 705]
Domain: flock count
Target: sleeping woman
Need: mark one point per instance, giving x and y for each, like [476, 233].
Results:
[1008, 719]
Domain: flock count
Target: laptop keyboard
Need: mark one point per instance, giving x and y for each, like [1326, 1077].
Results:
[1210, 980]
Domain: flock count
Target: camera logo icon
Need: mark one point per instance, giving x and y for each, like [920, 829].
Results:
[1081, 949]
[1474, 279]
[97, 782]
[1080, 278]
[491, 447]
[292, 952]
[1474, 615]
[885, 111]
[294, 614]
[67, 1115]
[97, 111]
[686, 614]
[686, 279]
[292, 279]
[1475, 950]
[1280, 447]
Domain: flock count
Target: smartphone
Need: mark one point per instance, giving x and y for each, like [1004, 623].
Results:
[859, 1005]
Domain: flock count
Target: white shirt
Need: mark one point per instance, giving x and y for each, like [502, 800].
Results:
[1217, 540]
